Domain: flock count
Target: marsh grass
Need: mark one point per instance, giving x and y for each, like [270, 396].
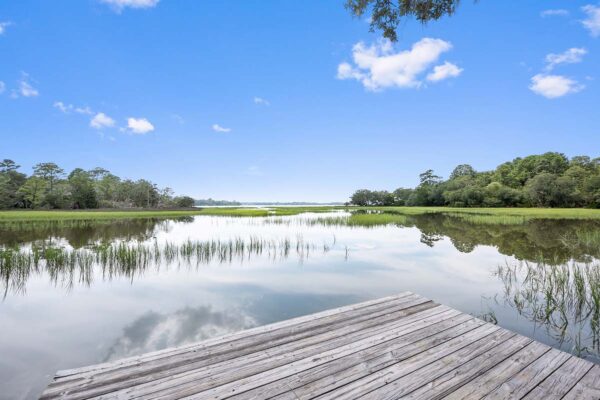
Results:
[486, 219]
[564, 299]
[524, 213]
[66, 266]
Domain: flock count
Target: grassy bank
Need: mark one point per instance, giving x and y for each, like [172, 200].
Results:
[526, 213]
[498, 215]
[121, 214]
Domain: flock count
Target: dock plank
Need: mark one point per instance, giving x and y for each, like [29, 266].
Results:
[402, 346]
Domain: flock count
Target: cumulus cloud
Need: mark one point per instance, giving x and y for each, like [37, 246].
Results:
[572, 56]
[3, 26]
[139, 126]
[25, 87]
[592, 21]
[554, 86]
[444, 71]
[261, 101]
[554, 13]
[379, 66]
[219, 128]
[2, 87]
[119, 5]
[101, 120]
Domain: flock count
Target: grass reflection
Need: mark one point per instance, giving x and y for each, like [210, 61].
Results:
[67, 266]
[563, 299]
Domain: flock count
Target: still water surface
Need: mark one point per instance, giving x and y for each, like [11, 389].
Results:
[198, 277]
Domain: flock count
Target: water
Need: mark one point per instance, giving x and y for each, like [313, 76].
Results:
[198, 277]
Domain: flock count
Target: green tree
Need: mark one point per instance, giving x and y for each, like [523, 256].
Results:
[386, 15]
[50, 172]
[184, 201]
[83, 193]
[10, 182]
[463, 170]
[401, 196]
[33, 192]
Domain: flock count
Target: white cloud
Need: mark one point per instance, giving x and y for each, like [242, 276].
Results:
[444, 71]
[260, 100]
[139, 126]
[3, 26]
[69, 108]
[572, 56]
[554, 86]
[62, 107]
[219, 128]
[84, 110]
[2, 87]
[25, 88]
[119, 5]
[102, 120]
[554, 13]
[379, 66]
[592, 22]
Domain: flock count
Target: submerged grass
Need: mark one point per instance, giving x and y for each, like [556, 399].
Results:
[565, 299]
[129, 259]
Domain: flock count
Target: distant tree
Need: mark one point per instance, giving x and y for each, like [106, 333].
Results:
[33, 192]
[401, 196]
[10, 182]
[548, 190]
[184, 201]
[386, 15]
[428, 178]
[165, 197]
[361, 197]
[463, 170]
[50, 172]
[7, 165]
[498, 195]
[83, 193]
[98, 173]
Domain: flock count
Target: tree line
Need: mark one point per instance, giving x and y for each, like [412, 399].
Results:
[545, 180]
[50, 187]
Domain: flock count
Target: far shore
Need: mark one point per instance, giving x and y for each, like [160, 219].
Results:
[248, 211]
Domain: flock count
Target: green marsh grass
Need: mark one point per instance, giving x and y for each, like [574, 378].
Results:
[66, 266]
[525, 213]
[564, 299]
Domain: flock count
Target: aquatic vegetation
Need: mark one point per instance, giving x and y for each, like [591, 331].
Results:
[67, 265]
[562, 299]
[525, 214]
[487, 219]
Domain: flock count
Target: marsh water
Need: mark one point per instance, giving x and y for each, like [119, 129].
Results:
[82, 292]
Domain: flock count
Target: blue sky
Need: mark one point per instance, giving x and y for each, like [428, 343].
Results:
[288, 100]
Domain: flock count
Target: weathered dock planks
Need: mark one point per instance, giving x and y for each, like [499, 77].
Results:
[398, 347]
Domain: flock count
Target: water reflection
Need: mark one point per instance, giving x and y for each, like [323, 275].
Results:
[155, 331]
[82, 292]
[564, 300]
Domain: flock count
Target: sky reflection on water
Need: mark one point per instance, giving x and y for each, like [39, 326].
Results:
[51, 326]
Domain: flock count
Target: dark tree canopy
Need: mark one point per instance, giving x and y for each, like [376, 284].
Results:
[386, 15]
[48, 188]
[542, 180]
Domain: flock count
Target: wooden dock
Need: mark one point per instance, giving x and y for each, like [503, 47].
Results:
[399, 347]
